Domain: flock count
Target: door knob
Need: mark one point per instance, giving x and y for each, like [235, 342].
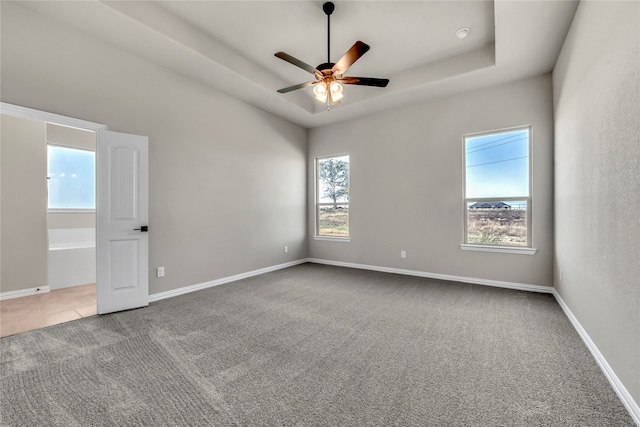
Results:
[143, 228]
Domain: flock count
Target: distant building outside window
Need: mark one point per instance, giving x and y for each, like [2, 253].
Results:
[71, 178]
[332, 196]
[497, 188]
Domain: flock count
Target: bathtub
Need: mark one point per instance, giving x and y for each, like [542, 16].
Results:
[72, 257]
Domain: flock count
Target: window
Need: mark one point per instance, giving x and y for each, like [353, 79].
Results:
[497, 182]
[71, 178]
[332, 197]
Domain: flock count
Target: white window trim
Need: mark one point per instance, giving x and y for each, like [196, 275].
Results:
[317, 204]
[518, 250]
[69, 210]
[496, 248]
[333, 238]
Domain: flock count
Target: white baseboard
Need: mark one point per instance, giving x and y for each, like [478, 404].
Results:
[199, 286]
[486, 282]
[23, 292]
[618, 387]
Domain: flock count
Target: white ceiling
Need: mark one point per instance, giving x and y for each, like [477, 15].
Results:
[230, 45]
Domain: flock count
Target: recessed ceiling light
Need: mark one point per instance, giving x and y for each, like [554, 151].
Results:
[462, 33]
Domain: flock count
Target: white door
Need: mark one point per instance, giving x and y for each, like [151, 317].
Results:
[122, 213]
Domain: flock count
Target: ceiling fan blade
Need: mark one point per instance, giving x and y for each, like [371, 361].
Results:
[295, 87]
[357, 50]
[364, 81]
[295, 61]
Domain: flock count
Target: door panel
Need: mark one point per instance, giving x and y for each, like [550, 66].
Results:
[124, 265]
[122, 211]
[123, 185]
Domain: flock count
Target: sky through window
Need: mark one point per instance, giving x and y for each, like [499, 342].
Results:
[71, 178]
[497, 165]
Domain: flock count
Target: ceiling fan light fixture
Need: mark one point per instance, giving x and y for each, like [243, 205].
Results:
[336, 92]
[328, 90]
[320, 91]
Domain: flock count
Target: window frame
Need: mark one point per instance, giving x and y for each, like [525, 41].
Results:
[527, 249]
[318, 204]
[72, 210]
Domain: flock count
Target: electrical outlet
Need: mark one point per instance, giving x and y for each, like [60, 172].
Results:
[160, 272]
[286, 249]
[403, 254]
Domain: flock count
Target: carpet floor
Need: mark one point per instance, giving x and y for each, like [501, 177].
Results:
[313, 345]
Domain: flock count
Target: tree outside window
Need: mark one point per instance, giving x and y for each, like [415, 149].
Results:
[332, 196]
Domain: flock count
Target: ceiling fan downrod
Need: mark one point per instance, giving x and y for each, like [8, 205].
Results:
[328, 8]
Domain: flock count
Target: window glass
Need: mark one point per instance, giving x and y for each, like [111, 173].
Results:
[71, 178]
[332, 196]
[497, 208]
[497, 165]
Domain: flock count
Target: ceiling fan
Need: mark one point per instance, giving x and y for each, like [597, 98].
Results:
[330, 76]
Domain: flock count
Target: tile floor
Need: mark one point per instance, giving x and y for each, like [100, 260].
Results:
[23, 314]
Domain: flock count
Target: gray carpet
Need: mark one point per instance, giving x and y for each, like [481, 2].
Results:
[313, 345]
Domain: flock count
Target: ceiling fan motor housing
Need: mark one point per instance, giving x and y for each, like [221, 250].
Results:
[325, 66]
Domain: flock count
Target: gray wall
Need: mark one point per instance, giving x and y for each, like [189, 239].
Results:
[406, 183]
[227, 180]
[23, 227]
[597, 224]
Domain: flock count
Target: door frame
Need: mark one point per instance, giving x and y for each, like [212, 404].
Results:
[44, 116]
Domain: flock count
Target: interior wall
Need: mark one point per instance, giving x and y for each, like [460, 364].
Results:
[75, 138]
[406, 184]
[597, 135]
[23, 228]
[227, 180]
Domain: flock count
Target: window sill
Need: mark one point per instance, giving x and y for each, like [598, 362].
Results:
[56, 210]
[333, 239]
[499, 249]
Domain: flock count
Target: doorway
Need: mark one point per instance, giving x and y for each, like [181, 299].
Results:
[71, 206]
[49, 250]
[122, 272]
